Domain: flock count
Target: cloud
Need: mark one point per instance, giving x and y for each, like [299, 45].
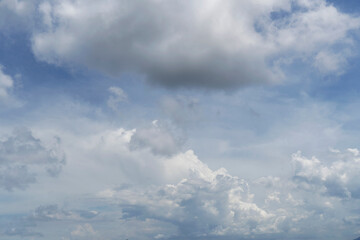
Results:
[142, 154]
[204, 203]
[48, 214]
[181, 110]
[23, 157]
[85, 231]
[160, 139]
[6, 85]
[117, 96]
[207, 43]
[22, 232]
[207, 203]
[216, 205]
[338, 179]
[17, 15]
[328, 62]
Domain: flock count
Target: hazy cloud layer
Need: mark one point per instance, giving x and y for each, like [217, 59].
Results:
[23, 157]
[207, 43]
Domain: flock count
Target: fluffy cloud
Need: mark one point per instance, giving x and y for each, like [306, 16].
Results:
[338, 179]
[207, 43]
[208, 203]
[191, 201]
[23, 157]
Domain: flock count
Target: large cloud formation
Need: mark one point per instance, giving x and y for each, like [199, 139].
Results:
[180, 197]
[206, 43]
[216, 205]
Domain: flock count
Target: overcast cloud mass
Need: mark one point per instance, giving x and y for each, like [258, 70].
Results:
[179, 120]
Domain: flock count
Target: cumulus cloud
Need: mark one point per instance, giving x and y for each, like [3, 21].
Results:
[203, 203]
[207, 43]
[207, 203]
[23, 157]
[141, 154]
[338, 179]
[216, 205]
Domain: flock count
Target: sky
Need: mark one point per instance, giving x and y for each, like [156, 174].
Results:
[179, 120]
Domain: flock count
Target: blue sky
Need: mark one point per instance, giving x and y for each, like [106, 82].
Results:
[171, 119]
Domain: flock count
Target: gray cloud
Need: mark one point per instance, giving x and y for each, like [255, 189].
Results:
[159, 138]
[211, 44]
[181, 110]
[23, 157]
[17, 15]
[22, 232]
[117, 96]
[46, 214]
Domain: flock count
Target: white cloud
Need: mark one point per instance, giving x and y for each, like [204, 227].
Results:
[207, 43]
[207, 203]
[216, 205]
[338, 179]
[6, 85]
[190, 201]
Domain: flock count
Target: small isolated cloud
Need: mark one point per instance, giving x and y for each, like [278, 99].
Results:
[6, 84]
[117, 96]
[207, 44]
[23, 157]
[7, 89]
